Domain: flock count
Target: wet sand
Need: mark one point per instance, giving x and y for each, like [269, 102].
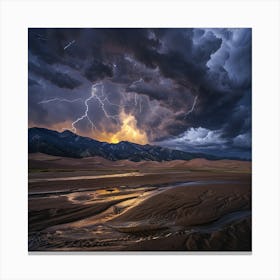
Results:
[193, 206]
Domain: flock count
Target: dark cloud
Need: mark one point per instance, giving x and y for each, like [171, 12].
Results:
[98, 70]
[173, 81]
[32, 82]
[185, 62]
[60, 79]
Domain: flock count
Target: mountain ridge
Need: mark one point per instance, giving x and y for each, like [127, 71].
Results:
[69, 144]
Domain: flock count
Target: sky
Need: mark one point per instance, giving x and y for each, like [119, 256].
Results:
[188, 89]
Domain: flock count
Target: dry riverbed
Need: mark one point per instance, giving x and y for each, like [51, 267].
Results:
[171, 206]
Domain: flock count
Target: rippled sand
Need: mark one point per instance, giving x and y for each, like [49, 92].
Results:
[173, 207]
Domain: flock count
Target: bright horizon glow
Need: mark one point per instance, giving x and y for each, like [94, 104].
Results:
[127, 132]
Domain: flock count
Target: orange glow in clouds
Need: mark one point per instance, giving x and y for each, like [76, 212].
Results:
[128, 132]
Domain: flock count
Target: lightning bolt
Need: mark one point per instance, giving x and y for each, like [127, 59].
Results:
[102, 100]
[69, 44]
[135, 95]
[60, 99]
[138, 81]
[192, 108]
[39, 36]
[105, 99]
[140, 105]
[85, 115]
[102, 103]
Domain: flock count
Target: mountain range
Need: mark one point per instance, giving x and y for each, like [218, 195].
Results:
[69, 144]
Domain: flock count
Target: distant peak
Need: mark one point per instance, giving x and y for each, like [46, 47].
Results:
[67, 131]
[123, 142]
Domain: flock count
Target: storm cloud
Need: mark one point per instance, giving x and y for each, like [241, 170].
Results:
[186, 88]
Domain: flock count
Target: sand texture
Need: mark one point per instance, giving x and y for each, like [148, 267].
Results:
[97, 205]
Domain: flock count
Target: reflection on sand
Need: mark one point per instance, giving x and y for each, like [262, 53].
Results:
[104, 230]
[119, 175]
[173, 208]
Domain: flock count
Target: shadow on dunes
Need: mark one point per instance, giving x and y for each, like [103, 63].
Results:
[234, 236]
[43, 218]
[186, 206]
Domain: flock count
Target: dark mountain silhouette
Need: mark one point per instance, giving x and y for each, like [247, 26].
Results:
[69, 144]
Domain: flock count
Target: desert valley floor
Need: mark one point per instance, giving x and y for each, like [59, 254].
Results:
[93, 204]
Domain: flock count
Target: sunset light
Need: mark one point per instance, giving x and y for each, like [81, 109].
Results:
[128, 132]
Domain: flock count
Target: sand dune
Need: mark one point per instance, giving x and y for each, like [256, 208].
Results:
[37, 161]
[190, 205]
